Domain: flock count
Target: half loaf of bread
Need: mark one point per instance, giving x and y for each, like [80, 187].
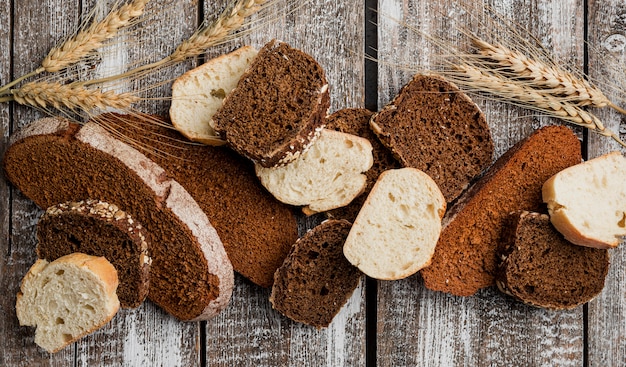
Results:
[97, 228]
[543, 269]
[397, 229]
[199, 93]
[67, 299]
[278, 107]
[329, 175]
[466, 259]
[53, 161]
[432, 126]
[587, 202]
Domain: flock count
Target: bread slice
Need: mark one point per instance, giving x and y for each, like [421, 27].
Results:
[278, 107]
[329, 175]
[397, 229]
[466, 256]
[97, 228]
[67, 299]
[433, 126]
[256, 229]
[54, 161]
[199, 93]
[356, 121]
[587, 202]
[542, 269]
[316, 280]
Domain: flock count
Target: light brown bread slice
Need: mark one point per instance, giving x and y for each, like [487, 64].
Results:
[67, 299]
[397, 229]
[53, 161]
[97, 228]
[199, 93]
[432, 126]
[316, 280]
[278, 107]
[465, 259]
[587, 202]
[543, 269]
[327, 176]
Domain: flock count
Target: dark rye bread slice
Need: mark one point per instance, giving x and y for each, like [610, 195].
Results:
[316, 280]
[98, 228]
[278, 107]
[465, 258]
[356, 121]
[256, 229]
[432, 126]
[543, 269]
[54, 161]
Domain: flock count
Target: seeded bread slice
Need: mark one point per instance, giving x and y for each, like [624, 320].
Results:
[587, 202]
[356, 121]
[432, 126]
[67, 299]
[316, 280]
[397, 229]
[278, 107]
[97, 228]
[329, 175]
[53, 161]
[198, 94]
[543, 269]
[465, 259]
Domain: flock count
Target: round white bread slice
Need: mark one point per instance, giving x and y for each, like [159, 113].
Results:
[327, 176]
[67, 299]
[587, 202]
[395, 233]
[198, 94]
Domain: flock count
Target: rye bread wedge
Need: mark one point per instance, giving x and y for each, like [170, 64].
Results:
[53, 161]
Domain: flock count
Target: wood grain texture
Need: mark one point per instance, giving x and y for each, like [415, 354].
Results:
[416, 326]
[607, 60]
[249, 332]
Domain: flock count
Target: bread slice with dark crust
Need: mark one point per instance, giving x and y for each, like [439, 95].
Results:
[316, 280]
[54, 161]
[356, 121]
[278, 107]
[97, 228]
[432, 126]
[465, 258]
[543, 269]
[256, 229]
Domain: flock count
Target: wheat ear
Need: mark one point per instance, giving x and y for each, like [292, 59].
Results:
[517, 92]
[74, 97]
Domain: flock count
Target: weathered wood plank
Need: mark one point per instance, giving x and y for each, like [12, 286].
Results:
[249, 332]
[607, 58]
[37, 27]
[420, 327]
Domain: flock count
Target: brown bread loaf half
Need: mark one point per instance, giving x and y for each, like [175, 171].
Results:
[54, 161]
[97, 228]
[278, 107]
[465, 258]
[316, 280]
[543, 269]
[432, 126]
[356, 121]
[256, 229]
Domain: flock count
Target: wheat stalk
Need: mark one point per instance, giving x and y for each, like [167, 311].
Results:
[74, 97]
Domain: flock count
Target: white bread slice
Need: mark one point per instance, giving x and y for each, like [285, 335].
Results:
[327, 176]
[395, 233]
[198, 94]
[587, 202]
[67, 299]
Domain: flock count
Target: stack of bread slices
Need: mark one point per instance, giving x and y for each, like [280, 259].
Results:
[410, 188]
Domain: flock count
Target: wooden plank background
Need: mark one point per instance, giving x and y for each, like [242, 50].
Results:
[385, 323]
